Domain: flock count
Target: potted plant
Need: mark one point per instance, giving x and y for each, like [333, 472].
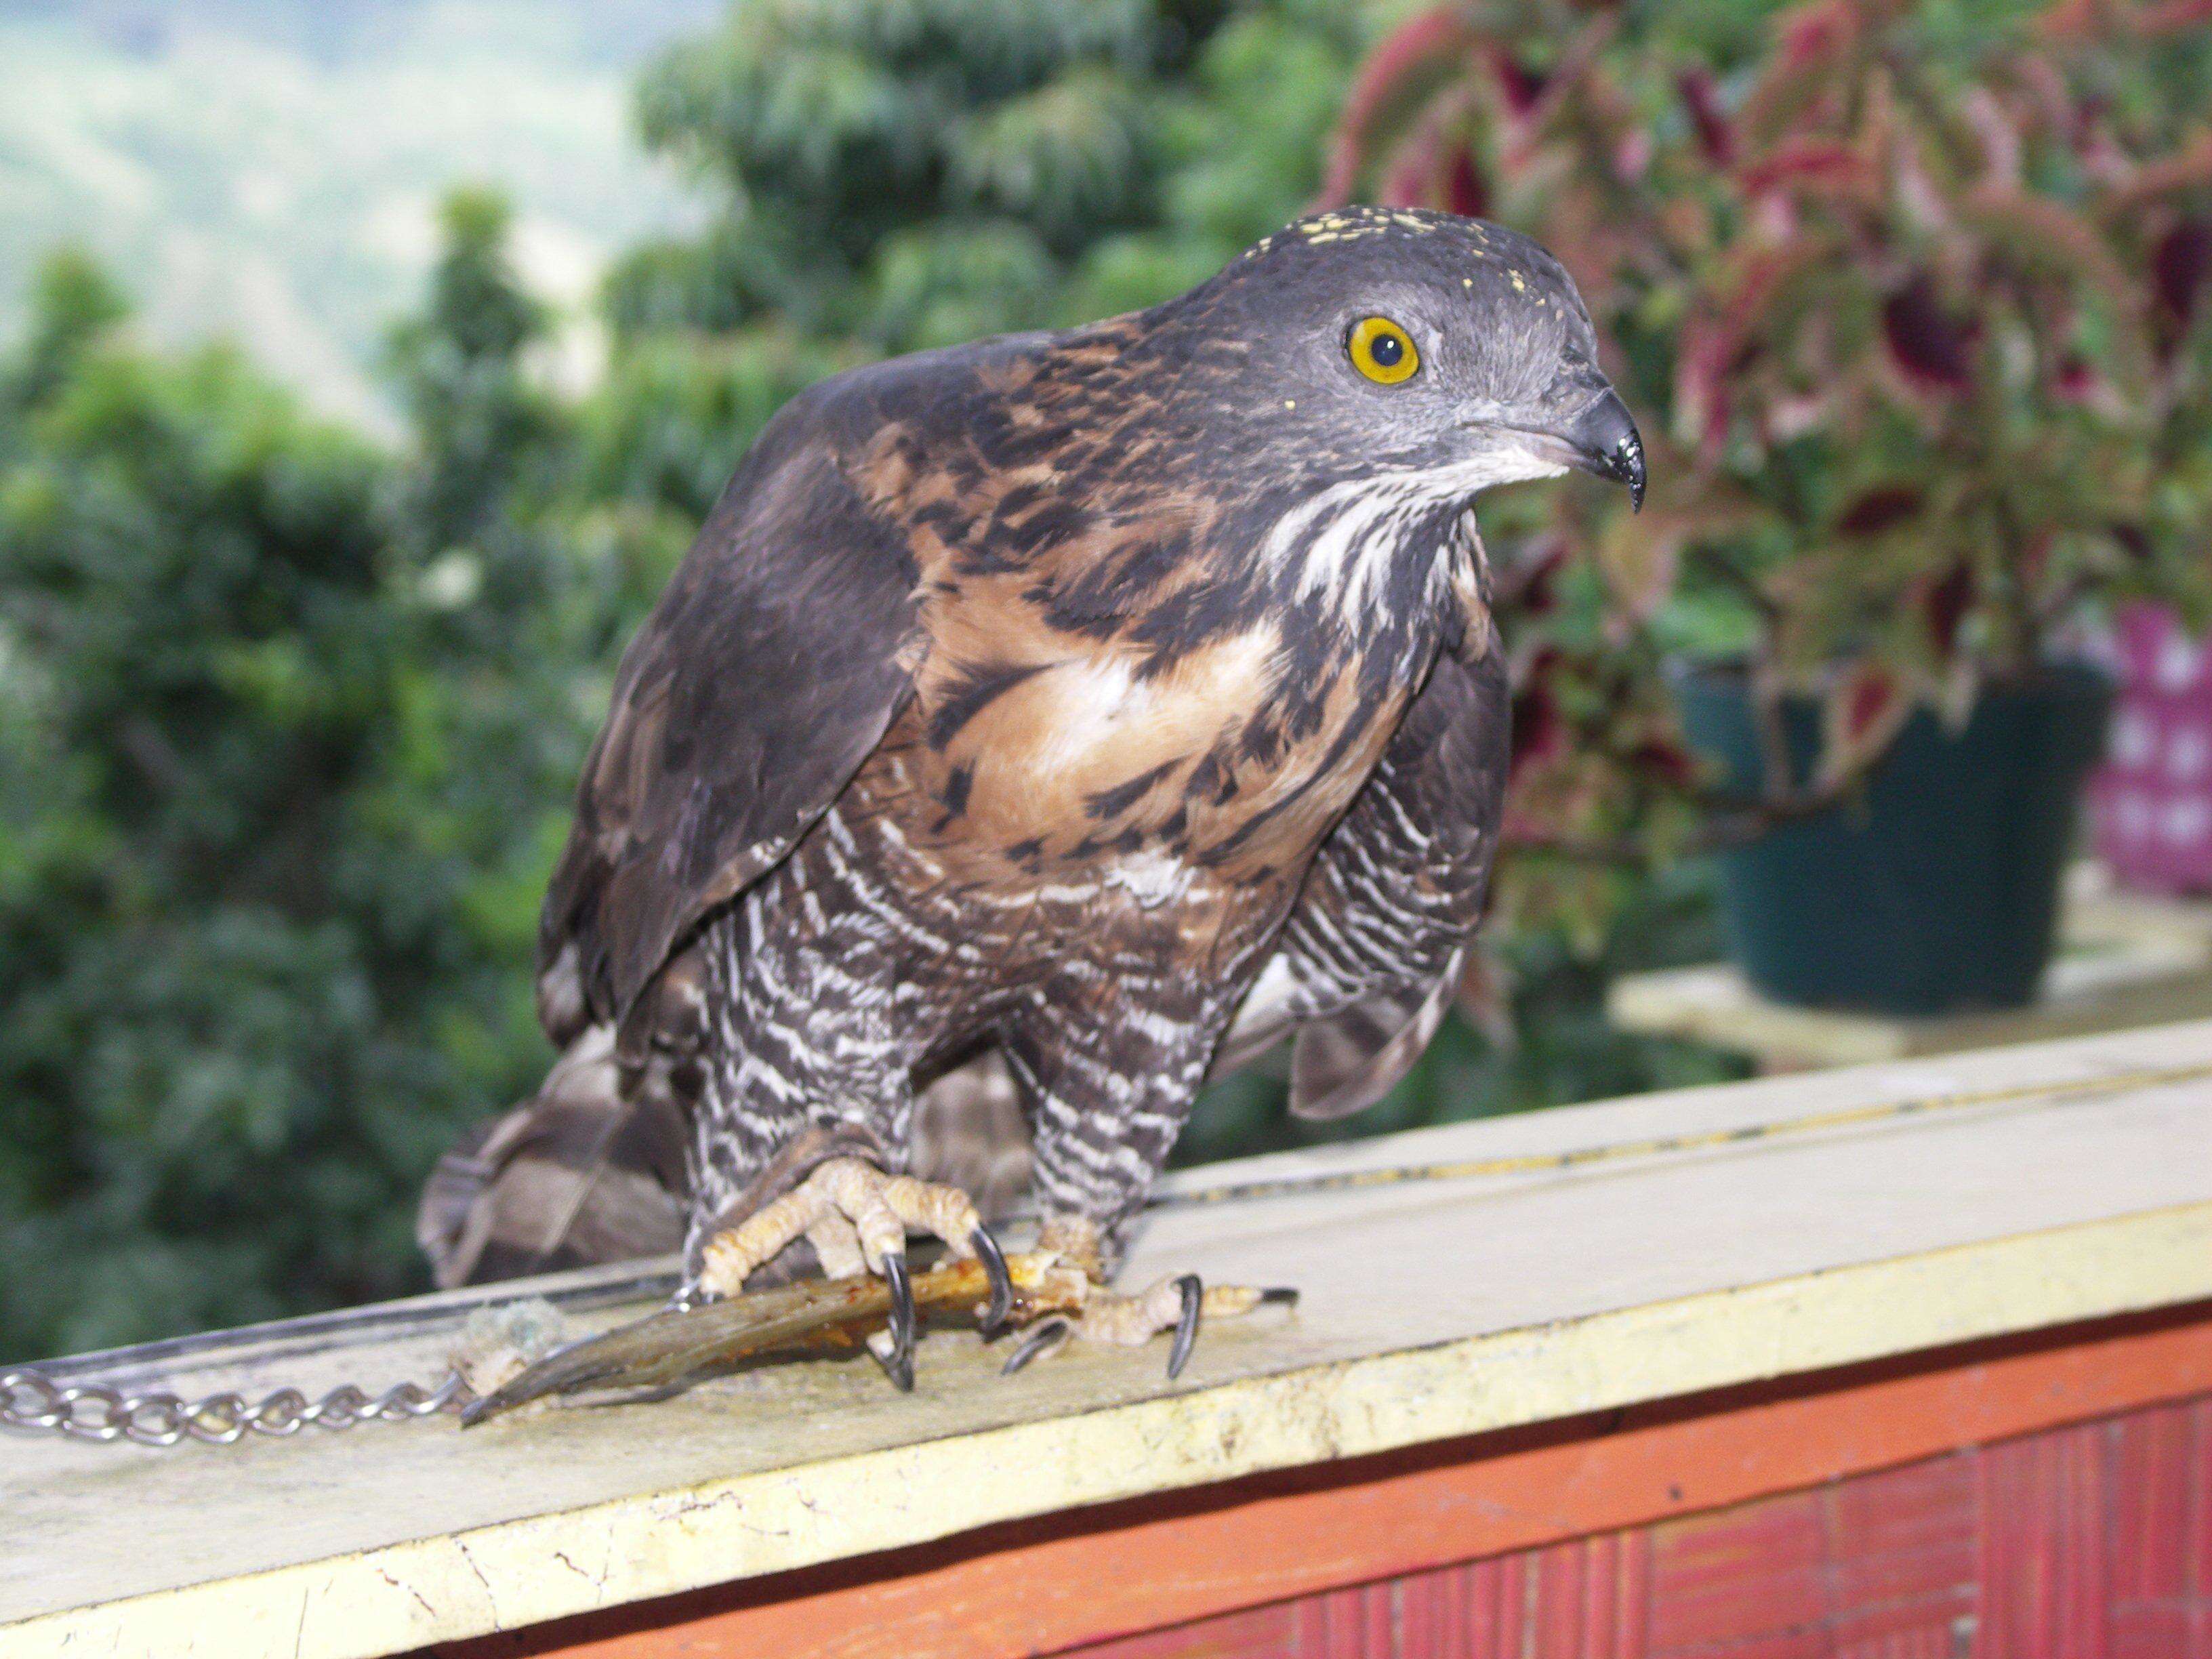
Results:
[1920, 330]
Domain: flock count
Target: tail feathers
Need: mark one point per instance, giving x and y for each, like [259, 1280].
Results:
[586, 1171]
[1346, 1062]
[579, 1174]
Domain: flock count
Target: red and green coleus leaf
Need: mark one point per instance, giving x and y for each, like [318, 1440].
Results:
[1881, 509]
[1465, 191]
[2181, 271]
[1865, 706]
[1944, 601]
[1700, 93]
[1932, 342]
[1394, 88]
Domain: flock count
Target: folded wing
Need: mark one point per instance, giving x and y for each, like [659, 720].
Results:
[768, 672]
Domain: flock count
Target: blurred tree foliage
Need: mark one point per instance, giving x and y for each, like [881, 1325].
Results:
[913, 173]
[286, 726]
[289, 723]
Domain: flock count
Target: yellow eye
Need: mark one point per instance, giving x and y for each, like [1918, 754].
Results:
[1381, 350]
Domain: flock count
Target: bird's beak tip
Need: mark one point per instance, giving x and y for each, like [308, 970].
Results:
[1605, 437]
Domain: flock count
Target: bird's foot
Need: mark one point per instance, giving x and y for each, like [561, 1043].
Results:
[857, 1218]
[1054, 1290]
[670, 1350]
[680, 1345]
[1180, 1303]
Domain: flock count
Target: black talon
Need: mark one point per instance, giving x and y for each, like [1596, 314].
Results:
[1283, 1295]
[902, 1375]
[900, 1323]
[1043, 1338]
[1185, 1336]
[1002, 1283]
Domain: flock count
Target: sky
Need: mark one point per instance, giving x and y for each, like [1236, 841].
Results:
[270, 170]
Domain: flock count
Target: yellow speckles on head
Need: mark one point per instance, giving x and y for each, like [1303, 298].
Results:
[1352, 224]
[1466, 282]
[1289, 403]
[1519, 287]
[1346, 225]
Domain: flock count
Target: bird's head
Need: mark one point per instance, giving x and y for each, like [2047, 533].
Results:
[1445, 352]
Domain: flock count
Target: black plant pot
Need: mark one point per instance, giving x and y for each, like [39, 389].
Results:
[1937, 890]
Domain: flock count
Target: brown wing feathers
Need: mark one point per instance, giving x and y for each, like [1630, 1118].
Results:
[771, 667]
[769, 671]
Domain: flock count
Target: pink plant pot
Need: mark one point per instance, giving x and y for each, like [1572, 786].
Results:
[2153, 797]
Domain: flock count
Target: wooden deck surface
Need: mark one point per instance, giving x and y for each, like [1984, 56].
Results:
[2022, 1188]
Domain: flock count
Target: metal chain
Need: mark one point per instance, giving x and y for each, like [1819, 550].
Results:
[29, 1399]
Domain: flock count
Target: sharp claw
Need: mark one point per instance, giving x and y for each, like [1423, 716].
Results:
[1185, 1336]
[901, 1371]
[900, 1323]
[1043, 1338]
[1280, 1295]
[1001, 1304]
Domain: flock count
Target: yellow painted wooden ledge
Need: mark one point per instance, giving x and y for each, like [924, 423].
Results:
[2037, 1186]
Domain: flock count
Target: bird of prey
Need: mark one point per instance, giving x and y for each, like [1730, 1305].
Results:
[1063, 717]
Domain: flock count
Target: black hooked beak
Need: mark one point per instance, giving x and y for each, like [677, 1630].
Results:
[1605, 441]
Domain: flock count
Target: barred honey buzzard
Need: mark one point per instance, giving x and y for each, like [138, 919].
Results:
[1065, 714]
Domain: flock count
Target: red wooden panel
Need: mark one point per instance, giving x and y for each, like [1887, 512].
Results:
[2045, 1589]
[1933, 1642]
[1752, 1573]
[1465, 1613]
[1453, 1613]
[1634, 1592]
[2160, 1479]
[2092, 1541]
[2150, 1474]
[1258, 1633]
[2198, 1584]
[1360, 1623]
[1596, 1603]
[1586, 1600]
[1903, 1558]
